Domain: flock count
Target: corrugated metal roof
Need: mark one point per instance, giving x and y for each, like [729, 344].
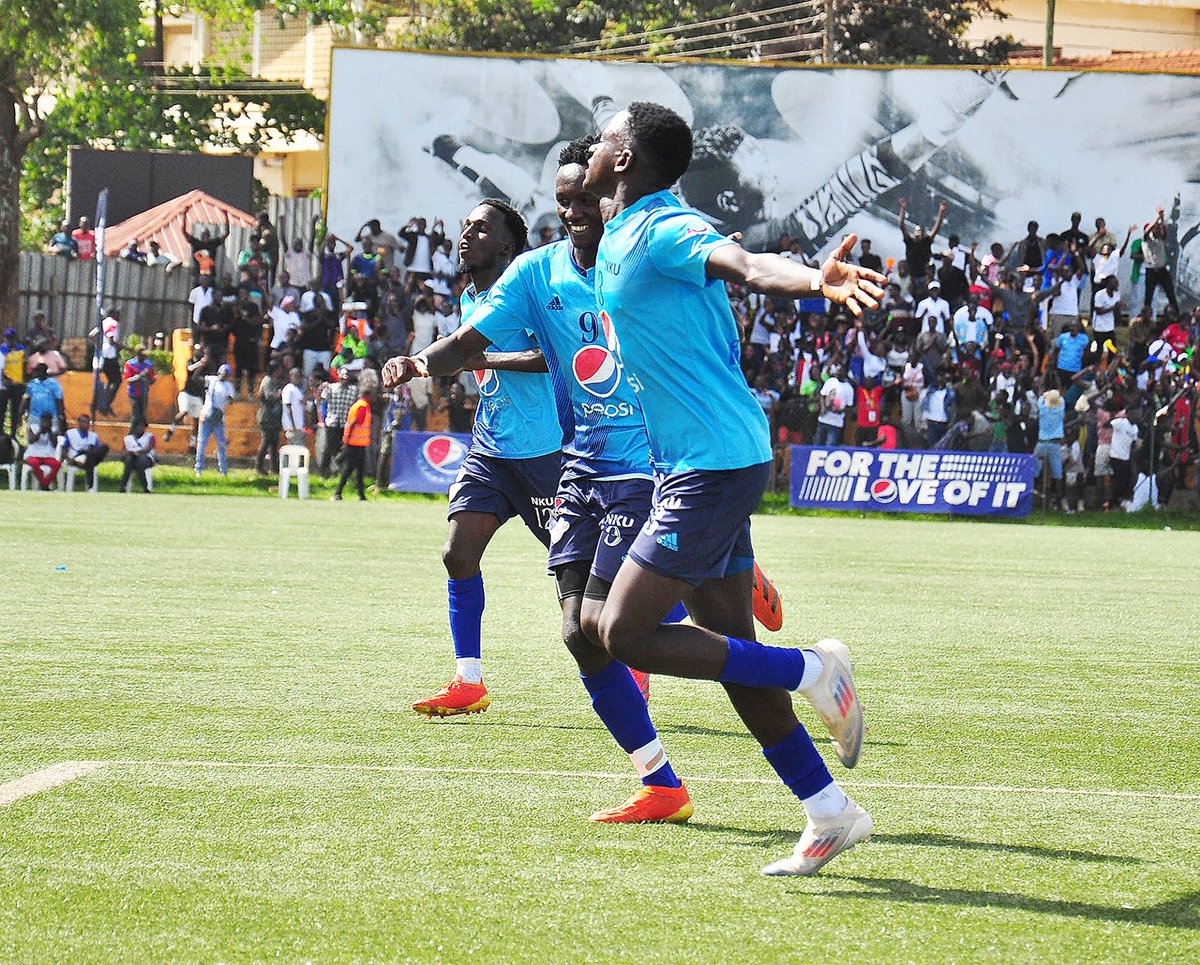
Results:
[1173, 61]
[165, 223]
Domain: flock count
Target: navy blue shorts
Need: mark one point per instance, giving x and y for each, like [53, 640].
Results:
[699, 525]
[596, 520]
[507, 488]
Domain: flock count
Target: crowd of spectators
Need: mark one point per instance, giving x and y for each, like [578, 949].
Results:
[1038, 345]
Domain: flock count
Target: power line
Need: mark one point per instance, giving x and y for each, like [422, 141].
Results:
[675, 28]
[732, 47]
[705, 38]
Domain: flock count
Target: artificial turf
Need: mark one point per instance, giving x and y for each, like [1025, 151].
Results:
[209, 629]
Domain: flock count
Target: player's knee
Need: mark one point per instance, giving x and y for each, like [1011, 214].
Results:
[618, 636]
[589, 625]
[460, 561]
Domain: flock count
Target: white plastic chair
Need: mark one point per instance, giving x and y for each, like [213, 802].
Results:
[293, 461]
[66, 478]
[11, 469]
[27, 480]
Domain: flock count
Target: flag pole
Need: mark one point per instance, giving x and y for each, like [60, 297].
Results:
[98, 356]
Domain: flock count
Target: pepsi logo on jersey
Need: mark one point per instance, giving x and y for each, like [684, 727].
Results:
[595, 368]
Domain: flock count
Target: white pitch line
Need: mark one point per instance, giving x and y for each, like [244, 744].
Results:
[46, 779]
[604, 775]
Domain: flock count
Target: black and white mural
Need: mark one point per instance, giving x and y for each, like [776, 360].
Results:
[809, 152]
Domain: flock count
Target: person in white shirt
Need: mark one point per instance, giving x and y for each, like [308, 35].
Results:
[311, 295]
[284, 318]
[201, 297]
[1104, 311]
[41, 452]
[84, 449]
[836, 397]
[960, 255]
[972, 323]
[218, 391]
[933, 311]
[1062, 300]
[425, 324]
[293, 409]
[299, 264]
[1120, 454]
[139, 454]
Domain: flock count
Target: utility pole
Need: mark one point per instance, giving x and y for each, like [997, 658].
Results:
[1048, 49]
[827, 39]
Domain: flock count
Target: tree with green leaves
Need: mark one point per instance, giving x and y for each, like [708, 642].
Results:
[904, 32]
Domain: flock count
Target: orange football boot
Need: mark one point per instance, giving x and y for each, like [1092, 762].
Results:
[650, 804]
[457, 697]
[768, 604]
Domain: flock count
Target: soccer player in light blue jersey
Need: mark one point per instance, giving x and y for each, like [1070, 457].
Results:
[659, 279]
[604, 496]
[514, 462]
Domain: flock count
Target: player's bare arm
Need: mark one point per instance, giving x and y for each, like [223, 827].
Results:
[530, 360]
[446, 356]
[848, 284]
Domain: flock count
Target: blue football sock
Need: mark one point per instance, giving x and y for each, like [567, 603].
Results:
[620, 705]
[754, 664]
[677, 615]
[798, 764]
[466, 615]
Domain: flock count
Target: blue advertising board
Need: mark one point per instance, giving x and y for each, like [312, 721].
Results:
[426, 462]
[913, 481]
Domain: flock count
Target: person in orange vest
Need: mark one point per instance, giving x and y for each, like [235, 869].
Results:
[356, 439]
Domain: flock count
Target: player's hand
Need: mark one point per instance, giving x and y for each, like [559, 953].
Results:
[851, 285]
[402, 369]
[942, 206]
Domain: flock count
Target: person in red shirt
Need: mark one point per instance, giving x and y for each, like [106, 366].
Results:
[139, 376]
[85, 240]
[356, 439]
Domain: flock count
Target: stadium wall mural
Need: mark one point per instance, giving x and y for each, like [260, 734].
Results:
[809, 152]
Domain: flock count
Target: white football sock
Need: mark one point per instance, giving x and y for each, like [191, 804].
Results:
[828, 802]
[471, 669]
[813, 665]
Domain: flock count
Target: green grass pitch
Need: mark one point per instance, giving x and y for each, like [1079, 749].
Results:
[192, 629]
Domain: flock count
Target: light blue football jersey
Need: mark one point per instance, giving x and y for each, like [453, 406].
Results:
[545, 292]
[517, 416]
[676, 338]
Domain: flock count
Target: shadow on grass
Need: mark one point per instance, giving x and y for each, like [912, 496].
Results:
[694, 730]
[1181, 912]
[966, 844]
[752, 837]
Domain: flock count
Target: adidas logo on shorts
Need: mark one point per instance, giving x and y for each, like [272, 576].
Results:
[669, 541]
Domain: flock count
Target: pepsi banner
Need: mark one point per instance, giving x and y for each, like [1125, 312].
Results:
[913, 481]
[426, 462]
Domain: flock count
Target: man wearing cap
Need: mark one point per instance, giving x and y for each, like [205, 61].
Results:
[108, 360]
[39, 331]
[43, 397]
[12, 383]
[1052, 412]
[933, 311]
[139, 376]
[218, 390]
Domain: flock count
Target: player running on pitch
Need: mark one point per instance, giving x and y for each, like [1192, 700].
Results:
[659, 275]
[607, 477]
[515, 459]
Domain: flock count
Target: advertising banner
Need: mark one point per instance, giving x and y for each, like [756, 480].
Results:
[913, 481]
[809, 152]
[426, 462]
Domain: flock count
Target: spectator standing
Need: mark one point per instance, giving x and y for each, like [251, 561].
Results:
[937, 405]
[1102, 237]
[270, 421]
[293, 408]
[298, 262]
[284, 318]
[85, 240]
[139, 454]
[1062, 300]
[333, 270]
[933, 311]
[918, 245]
[12, 386]
[108, 362]
[356, 440]
[1124, 435]
[1074, 235]
[1104, 310]
[418, 255]
[1069, 348]
[61, 242]
[201, 296]
[84, 449]
[836, 397]
[247, 342]
[139, 376]
[212, 329]
[1103, 458]
[206, 250]
[268, 241]
[867, 258]
[1052, 411]
[339, 397]
[372, 237]
[39, 331]
[218, 391]
[283, 288]
[41, 452]
[1158, 272]
[44, 397]
[45, 354]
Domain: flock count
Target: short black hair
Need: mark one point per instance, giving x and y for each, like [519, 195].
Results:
[665, 138]
[577, 151]
[512, 221]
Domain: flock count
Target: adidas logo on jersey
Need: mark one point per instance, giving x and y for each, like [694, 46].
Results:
[554, 304]
[669, 541]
